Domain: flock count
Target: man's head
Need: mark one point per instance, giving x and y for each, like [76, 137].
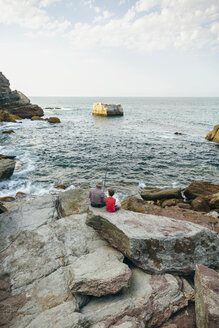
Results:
[99, 185]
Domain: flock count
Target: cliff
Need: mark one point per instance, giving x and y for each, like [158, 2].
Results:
[15, 102]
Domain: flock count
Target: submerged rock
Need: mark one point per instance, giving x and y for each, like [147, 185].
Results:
[214, 134]
[147, 302]
[8, 132]
[36, 118]
[7, 166]
[53, 120]
[206, 297]
[157, 244]
[102, 109]
[15, 102]
[7, 117]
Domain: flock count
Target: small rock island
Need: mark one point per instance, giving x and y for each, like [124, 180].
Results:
[101, 109]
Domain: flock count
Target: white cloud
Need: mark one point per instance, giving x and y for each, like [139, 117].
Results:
[30, 14]
[106, 15]
[145, 5]
[46, 3]
[171, 23]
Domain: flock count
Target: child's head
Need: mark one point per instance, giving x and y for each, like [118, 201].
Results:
[111, 192]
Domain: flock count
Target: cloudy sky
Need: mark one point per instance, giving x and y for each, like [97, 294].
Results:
[111, 47]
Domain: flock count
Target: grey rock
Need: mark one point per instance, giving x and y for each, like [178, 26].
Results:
[62, 316]
[99, 273]
[149, 299]
[28, 213]
[75, 201]
[151, 193]
[157, 244]
[206, 297]
[37, 265]
[30, 255]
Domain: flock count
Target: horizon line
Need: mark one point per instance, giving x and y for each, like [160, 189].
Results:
[48, 96]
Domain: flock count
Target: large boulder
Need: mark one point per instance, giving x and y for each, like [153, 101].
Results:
[151, 193]
[7, 117]
[206, 297]
[100, 273]
[214, 134]
[28, 213]
[15, 102]
[147, 302]
[75, 201]
[157, 244]
[7, 166]
[201, 189]
[101, 109]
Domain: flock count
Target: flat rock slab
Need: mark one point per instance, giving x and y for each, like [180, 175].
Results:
[62, 316]
[149, 299]
[157, 244]
[28, 213]
[206, 297]
[100, 273]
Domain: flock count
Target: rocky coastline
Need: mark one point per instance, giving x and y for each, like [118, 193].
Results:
[65, 264]
[154, 263]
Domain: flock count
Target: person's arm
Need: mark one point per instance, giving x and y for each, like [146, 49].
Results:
[90, 194]
[102, 197]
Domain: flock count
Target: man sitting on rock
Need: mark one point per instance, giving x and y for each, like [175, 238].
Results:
[97, 196]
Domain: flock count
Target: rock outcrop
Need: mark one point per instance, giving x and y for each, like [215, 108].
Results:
[15, 102]
[182, 211]
[157, 244]
[151, 193]
[149, 301]
[7, 166]
[102, 109]
[214, 134]
[206, 297]
[44, 273]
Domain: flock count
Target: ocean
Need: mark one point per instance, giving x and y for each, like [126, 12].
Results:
[140, 148]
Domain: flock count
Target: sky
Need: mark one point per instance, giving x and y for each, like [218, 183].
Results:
[150, 48]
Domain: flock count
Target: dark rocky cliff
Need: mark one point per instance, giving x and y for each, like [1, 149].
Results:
[15, 102]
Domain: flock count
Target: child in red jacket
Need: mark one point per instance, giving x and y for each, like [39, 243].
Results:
[111, 202]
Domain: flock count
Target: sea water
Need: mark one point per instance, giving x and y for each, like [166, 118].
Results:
[139, 148]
